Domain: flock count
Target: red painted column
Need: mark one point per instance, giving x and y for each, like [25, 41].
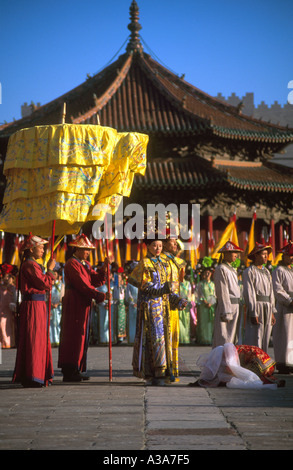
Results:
[273, 237]
[281, 237]
[210, 234]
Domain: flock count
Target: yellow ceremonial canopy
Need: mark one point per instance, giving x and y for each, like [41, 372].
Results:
[61, 172]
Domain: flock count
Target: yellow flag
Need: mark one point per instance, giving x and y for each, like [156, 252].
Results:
[91, 258]
[139, 249]
[277, 259]
[61, 252]
[1, 246]
[144, 250]
[56, 244]
[101, 250]
[15, 258]
[193, 257]
[128, 250]
[229, 234]
[117, 252]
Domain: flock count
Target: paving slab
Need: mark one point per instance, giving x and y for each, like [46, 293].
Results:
[126, 416]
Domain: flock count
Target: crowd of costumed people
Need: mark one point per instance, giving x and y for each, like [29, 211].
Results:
[197, 288]
[196, 320]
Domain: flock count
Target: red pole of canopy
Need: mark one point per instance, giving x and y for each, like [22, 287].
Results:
[109, 303]
[49, 303]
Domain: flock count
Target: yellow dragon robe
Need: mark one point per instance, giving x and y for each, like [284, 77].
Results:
[177, 269]
[152, 355]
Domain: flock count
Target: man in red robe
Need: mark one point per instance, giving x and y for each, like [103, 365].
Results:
[33, 366]
[81, 281]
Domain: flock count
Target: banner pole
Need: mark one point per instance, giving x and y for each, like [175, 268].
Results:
[109, 303]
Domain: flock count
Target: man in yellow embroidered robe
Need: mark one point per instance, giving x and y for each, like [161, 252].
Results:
[177, 266]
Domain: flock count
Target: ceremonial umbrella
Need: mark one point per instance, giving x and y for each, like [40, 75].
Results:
[61, 172]
[57, 174]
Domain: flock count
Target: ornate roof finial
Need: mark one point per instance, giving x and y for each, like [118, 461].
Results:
[134, 44]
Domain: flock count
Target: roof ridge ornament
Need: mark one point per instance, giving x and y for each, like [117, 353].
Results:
[134, 26]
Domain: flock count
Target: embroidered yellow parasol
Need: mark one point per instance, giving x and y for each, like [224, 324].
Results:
[59, 173]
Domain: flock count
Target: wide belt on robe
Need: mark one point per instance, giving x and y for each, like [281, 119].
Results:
[235, 300]
[263, 298]
[27, 297]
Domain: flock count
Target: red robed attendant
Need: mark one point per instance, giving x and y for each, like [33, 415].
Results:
[33, 366]
[81, 281]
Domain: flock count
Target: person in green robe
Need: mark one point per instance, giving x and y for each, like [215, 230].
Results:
[184, 314]
[205, 308]
[119, 294]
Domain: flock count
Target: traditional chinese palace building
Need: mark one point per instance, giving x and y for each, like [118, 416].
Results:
[200, 149]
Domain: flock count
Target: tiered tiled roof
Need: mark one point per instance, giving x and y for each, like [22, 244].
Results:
[256, 176]
[137, 93]
[183, 173]
[196, 173]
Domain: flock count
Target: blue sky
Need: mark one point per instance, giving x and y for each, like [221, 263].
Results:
[49, 47]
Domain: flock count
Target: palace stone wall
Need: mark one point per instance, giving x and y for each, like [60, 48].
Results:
[276, 114]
